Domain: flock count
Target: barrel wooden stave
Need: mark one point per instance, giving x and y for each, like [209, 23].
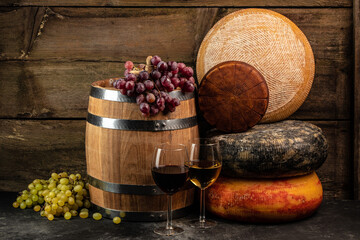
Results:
[129, 155]
[141, 203]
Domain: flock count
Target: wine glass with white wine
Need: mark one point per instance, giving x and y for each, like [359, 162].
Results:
[204, 168]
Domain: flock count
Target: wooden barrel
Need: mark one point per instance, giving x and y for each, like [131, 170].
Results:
[119, 150]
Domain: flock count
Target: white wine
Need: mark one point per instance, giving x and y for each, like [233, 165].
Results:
[204, 173]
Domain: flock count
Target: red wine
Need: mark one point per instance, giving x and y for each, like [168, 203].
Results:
[170, 178]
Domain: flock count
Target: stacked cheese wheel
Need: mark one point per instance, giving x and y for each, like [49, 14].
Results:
[268, 173]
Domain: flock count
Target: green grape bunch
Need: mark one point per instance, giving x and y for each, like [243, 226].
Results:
[62, 195]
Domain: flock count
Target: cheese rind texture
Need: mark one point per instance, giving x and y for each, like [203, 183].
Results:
[265, 200]
[283, 149]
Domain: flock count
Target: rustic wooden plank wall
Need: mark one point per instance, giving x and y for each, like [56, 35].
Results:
[356, 17]
[50, 51]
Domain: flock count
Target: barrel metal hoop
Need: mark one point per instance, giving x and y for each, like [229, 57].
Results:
[142, 125]
[141, 216]
[116, 96]
[125, 188]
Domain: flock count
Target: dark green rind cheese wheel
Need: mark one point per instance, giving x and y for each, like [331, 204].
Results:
[283, 149]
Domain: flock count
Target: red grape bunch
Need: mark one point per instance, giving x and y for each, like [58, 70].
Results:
[152, 82]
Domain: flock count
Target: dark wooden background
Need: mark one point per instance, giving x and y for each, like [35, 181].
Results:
[50, 52]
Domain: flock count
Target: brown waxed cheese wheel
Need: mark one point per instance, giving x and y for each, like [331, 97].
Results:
[233, 96]
[271, 43]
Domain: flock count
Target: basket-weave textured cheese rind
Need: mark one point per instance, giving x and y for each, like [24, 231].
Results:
[271, 43]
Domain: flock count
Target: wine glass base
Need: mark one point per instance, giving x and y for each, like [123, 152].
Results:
[169, 232]
[202, 225]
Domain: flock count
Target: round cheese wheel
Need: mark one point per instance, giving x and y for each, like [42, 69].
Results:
[283, 149]
[233, 96]
[271, 43]
[265, 201]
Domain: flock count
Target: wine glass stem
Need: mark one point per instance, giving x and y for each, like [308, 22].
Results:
[202, 206]
[169, 215]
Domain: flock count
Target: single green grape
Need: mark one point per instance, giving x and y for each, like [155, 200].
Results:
[116, 220]
[54, 206]
[78, 188]
[84, 214]
[79, 197]
[19, 199]
[122, 214]
[41, 200]
[47, 199]
[45, 193]
[33, 191]
[31, 186]
[50, 216]
[54, 176]
[71, 200]
[75, 206]
[64, 198]
[61, 203]
[97, 216]
[72, 177]
[81, 183]
[53, 211]
[74, 213]
[16, 204]
[66, 209]
[52, 185]
[64, 181]
[78, 176]
[79, 203]
[48, 208]
[36, 181]
[37, 208]
[84, 193]
[34, 198]
[67, 215]
[24, 196]
[22, 205]
[68, 193]
[84, 210]
[55, 200]
[59, 210]
[87, 203]
[28, 202]
[42, 213]
[38, 186]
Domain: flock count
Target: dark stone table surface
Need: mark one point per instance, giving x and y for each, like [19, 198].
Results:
[333, 220]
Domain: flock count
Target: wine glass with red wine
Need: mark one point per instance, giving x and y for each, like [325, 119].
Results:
[204, 168]
[170, 174]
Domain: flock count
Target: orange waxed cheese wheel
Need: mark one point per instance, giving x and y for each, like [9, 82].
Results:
[233, 96]
[265, 200]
